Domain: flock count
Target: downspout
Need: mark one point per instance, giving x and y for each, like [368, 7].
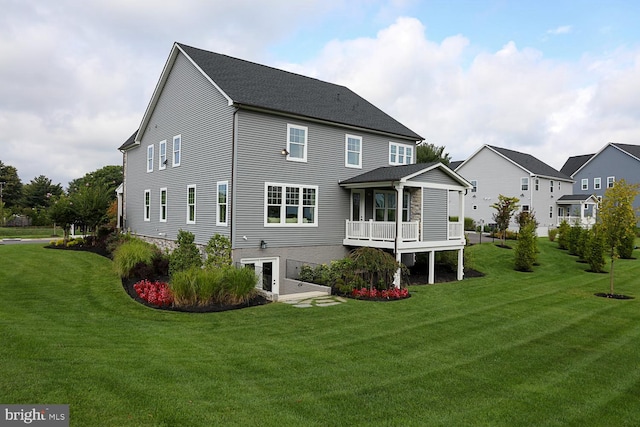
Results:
[231, 190]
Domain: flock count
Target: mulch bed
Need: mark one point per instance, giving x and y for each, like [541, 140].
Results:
[612, 296]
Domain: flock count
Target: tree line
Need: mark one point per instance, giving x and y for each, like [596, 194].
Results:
[86, 201]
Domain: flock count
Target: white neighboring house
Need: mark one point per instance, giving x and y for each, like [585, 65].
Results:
[493, 171]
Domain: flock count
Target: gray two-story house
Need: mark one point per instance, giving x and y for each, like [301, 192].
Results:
[540, 188]
[594, 173]
[290, 168]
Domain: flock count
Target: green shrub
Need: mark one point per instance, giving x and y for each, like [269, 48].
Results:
[130, 254]
[594, 250]
[581, 247]
[574, 238]
[526, 251]
[239, 284]
[469, 224]
[627, 245]
[186, 255]
[376, 267]
[553, 232]
[197, 286]
[218, 251]
[563, 235]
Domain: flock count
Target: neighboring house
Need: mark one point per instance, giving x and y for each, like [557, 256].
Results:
[493, 171]
[291, 169]
[594, 173]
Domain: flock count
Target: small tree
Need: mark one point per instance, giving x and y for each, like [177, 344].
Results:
[505, 207]
[526, 254]
[186, 255]
[218, 252]
[617, 217]
[563, 235]
[91, 204]
[574, 238]
[594, 250]
[62, 212]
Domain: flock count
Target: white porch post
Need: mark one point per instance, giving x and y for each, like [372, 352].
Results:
[432, 266]
[398, 239]
[460, 264]
[461, 209]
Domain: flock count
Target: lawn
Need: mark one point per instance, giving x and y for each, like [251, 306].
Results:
[29, 232]
[508, 349]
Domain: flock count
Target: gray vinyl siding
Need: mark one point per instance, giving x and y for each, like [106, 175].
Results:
[260, 139]
[191, 107]
[434, 214]
[609, 162]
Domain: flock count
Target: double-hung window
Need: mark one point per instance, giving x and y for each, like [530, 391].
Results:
[147, 205]
[400, 154]
[162, 155]
[191, 204]
[474, 185]
[150, 158]
[610, 181]
[353, 151]
[177, 150]
[222, 203]
[524, 183]
[291, 205]
[597, 183]
[297, 143]
[551, 186]
[584, 184]
[163, 205]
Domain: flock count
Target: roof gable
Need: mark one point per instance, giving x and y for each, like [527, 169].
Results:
[402, 173]
[574, 163]
[631, 150]
[524, 161]
[251, 85]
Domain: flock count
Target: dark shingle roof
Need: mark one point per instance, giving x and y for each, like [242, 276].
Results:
[260, 86]
[574, 197]
[574, 163]
[634, 150]
[454, 164]
[130, 142]
[388, 173]
[530, 163]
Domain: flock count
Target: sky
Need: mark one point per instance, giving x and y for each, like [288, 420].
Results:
[550, 78]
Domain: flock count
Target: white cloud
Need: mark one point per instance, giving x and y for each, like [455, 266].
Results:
[563, 29]
[513, 97]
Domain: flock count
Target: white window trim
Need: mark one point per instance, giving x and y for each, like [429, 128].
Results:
[224, 223]
[405, 146]
[584, 184]
[162, 159]
[150, 158]
[346, 152]
[174, 151]
[165, 206]
[611, 180]
[305, 147]
[551, 212]
[283, 214]
[524, 181]
[195, 203]
[597, 183]
[147, 205]
[474, 185]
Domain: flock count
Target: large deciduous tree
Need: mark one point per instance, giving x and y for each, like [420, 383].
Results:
[617, 218]
[505, 208]
[11, 186]
[109, 176]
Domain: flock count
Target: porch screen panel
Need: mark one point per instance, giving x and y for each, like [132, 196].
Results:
[435, 223]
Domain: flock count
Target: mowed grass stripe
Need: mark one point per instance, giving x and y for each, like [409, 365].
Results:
[507, 349]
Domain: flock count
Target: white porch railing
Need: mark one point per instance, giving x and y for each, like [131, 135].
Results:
[586, 221]
[381, 230]
[456, 230]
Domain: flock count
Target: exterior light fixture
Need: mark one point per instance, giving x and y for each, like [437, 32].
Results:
[263, 244]
[284, 152]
